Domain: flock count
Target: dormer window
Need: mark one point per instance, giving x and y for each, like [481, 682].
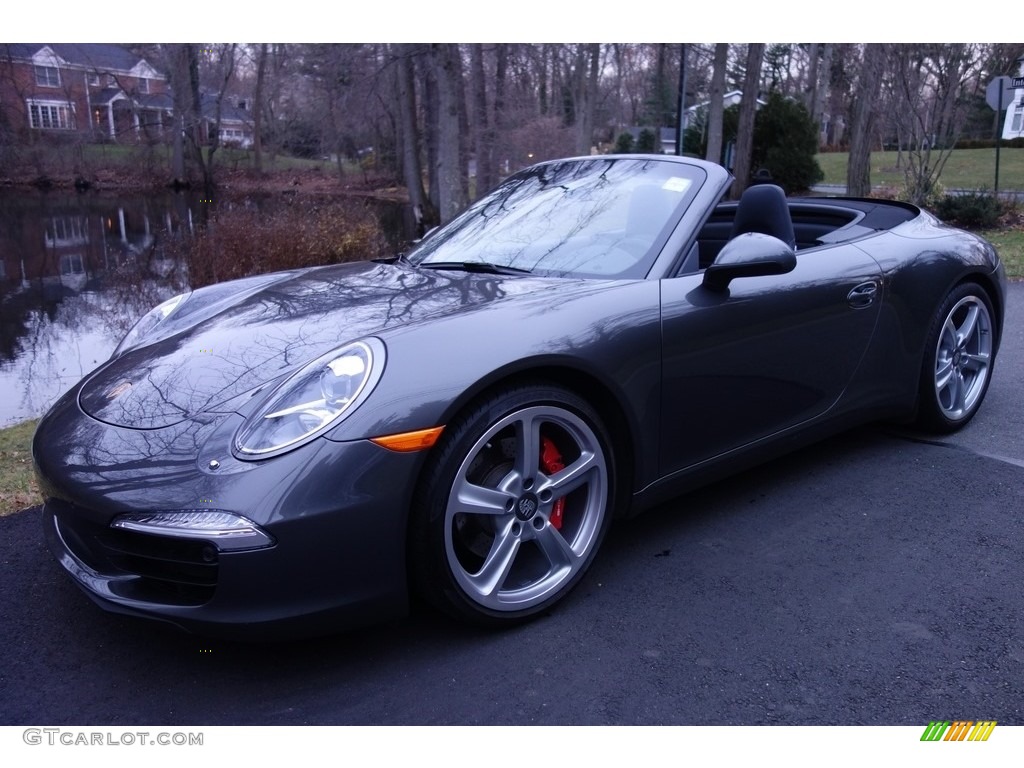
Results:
[47, 77]
[143, 85]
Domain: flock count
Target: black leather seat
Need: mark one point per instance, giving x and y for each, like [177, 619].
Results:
[762, 208]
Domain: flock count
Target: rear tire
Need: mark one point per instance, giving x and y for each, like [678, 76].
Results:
[514, 505]
[959, 354]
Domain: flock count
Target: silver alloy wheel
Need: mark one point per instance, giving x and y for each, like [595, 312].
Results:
[963, 356]
[507, 547]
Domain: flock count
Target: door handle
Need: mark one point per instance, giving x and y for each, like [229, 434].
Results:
[863, 295]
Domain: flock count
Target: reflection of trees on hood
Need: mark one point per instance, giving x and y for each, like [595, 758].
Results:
[228, 346]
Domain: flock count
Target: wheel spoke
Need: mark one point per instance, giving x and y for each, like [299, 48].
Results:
[567, 480]
[527, 461]
[966, 330]
[942, 374]
[948, 339]
[555, 548]
[492, 574]
[956, 392]
[476, 500]
[978, 361]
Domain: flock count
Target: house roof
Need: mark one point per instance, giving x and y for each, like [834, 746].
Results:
[731, 96]
[101, 57]
[229, 111]
[107, 95]
[155, 101]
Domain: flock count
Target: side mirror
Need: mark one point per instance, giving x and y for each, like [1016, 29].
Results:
[749, 255]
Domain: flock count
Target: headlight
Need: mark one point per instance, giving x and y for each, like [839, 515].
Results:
[149, 322]
[312, 399]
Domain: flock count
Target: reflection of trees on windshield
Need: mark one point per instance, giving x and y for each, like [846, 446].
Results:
[571, 218]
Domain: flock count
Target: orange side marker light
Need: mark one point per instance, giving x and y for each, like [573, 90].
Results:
[406, 442]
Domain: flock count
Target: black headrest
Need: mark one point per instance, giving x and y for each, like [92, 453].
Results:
[763, 208]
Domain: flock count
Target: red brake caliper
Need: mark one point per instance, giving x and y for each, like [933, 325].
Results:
[551, 462]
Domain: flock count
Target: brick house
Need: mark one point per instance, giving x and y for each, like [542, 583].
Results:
[94, 90]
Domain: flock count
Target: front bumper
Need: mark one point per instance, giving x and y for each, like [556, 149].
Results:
[337, 513]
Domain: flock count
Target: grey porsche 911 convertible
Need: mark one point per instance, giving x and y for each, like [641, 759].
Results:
[464, 422]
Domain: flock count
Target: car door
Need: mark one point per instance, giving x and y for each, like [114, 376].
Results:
[766, 355]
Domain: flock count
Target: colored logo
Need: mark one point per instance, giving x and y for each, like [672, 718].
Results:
[959, 730]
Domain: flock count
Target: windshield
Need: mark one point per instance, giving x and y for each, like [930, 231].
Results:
[591, 217]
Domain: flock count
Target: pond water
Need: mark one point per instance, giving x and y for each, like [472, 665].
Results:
[77, 271]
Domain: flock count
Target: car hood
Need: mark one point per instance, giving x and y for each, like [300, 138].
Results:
[241, 341]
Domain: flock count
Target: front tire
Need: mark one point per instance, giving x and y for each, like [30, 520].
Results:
[515, 504]
[958, 360]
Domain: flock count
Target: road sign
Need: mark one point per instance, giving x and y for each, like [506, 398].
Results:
[1018, 82]
[1004, 84]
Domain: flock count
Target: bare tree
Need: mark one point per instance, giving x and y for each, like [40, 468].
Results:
[748, 108]
[928, 82]
[412, 168]
[257, 107]
[187, 63]
[483, 135]
[716, 108]
[869, 81]
[818, 79]
[448, 73]
[589, 65]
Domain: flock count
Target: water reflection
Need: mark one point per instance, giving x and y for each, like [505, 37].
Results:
[76, 272]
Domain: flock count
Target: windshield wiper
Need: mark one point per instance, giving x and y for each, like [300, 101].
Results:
[475, 266]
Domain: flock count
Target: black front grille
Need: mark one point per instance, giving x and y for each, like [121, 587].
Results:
[168, 570]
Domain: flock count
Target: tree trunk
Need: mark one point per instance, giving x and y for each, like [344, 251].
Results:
[431, 115]
[195, 128]
[716, 108]
[177, 64]
[257, 108]
[748, 109]
[811, 87]
[483, 136]
[590, 64]
[500, 69]
[449, 174]
[542, 81]
[821, 86]
[659, 91]
[412, 170]
[858, 170]
[463, 115]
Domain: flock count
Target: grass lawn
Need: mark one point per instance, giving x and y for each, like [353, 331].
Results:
[1010, 244]
[59, 159]
[17, 482]
[965, 169]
